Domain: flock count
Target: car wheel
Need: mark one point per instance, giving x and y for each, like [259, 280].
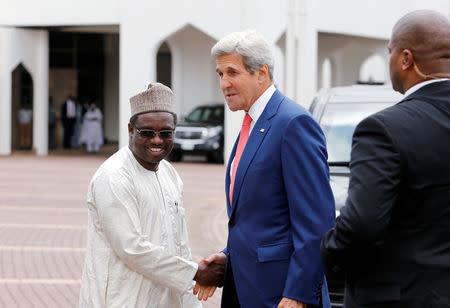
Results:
[216, 157]
[220, 156]
[175, 156]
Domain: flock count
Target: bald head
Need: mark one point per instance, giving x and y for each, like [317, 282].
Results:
[427, 35]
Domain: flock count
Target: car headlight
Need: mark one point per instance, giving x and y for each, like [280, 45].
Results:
[211, 131]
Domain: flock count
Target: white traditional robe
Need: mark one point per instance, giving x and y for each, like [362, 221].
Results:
[91, 130]
[137, 251]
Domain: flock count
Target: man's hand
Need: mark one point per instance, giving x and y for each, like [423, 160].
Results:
[290, 303]
[211, 270]
[204, 292]
[219, 258]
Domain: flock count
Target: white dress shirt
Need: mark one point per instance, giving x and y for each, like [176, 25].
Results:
[256, 110]
[259, 105]
[422, 84]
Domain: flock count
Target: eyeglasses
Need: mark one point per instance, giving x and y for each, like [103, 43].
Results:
[150, 134]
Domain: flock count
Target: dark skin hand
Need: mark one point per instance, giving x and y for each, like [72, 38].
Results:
[210, 274]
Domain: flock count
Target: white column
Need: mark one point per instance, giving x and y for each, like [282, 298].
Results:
[40, 89]
[137, 66]
[291, 50]
[111, 87]
[306, 54]
[301, 52]
[124, 92]
[5, 92]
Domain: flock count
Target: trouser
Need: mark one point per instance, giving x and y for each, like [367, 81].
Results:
[51, 136]
[69, 125]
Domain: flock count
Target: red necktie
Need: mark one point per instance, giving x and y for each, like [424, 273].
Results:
[245, 130]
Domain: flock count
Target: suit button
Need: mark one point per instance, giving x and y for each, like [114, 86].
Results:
[231, 223]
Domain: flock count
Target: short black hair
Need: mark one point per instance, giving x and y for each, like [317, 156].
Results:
[134, 118]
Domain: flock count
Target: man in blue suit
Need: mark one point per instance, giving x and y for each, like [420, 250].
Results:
[279, 199]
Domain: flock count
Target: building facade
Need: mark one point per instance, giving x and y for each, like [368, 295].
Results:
[107, 50]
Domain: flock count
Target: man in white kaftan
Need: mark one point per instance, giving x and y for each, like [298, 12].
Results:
[137, 250]
[92, 130]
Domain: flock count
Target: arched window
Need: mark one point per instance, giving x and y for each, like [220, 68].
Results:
[373, 70]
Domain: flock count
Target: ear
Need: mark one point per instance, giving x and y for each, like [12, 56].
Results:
[263, 73]
[130, 129]
[407, 59]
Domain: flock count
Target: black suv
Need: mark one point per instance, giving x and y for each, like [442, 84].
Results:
[201, 133]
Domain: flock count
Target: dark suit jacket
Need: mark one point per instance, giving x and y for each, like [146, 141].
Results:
[392, 238]
[282, 206]
[64, 117]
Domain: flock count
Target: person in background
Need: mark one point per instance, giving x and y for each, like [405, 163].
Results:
[92, 129]
[75, 141]
[68, 118]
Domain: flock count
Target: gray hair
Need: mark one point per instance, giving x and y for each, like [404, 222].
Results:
[251, 45]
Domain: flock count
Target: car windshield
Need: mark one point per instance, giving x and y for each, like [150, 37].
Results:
[206, 114]
[338, 123]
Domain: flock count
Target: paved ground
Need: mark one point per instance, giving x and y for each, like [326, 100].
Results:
[43, 224]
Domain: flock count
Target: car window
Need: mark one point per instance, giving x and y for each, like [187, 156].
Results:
[206, 114]
[338, 123]
[195, 115]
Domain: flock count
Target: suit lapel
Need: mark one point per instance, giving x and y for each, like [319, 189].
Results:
[255, 139]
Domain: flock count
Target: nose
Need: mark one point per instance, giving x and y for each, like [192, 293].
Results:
[224, 83]
[157, 139]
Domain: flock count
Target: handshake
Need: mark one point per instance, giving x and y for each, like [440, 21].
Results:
[210, 275]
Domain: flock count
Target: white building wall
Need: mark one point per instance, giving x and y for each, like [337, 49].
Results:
[60, 13]
[369, 18]
[144, 25]
[372, 18]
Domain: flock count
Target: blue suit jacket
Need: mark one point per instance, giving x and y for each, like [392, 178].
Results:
[282, 207]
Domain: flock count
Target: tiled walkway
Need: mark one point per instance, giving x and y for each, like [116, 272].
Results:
[43, 224]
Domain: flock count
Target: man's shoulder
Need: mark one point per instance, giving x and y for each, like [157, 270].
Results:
[116, 165]
[290, 108]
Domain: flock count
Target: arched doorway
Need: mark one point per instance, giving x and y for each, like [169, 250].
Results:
[184, 62]
[164, 65]
[373, 70]
[22, 109]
